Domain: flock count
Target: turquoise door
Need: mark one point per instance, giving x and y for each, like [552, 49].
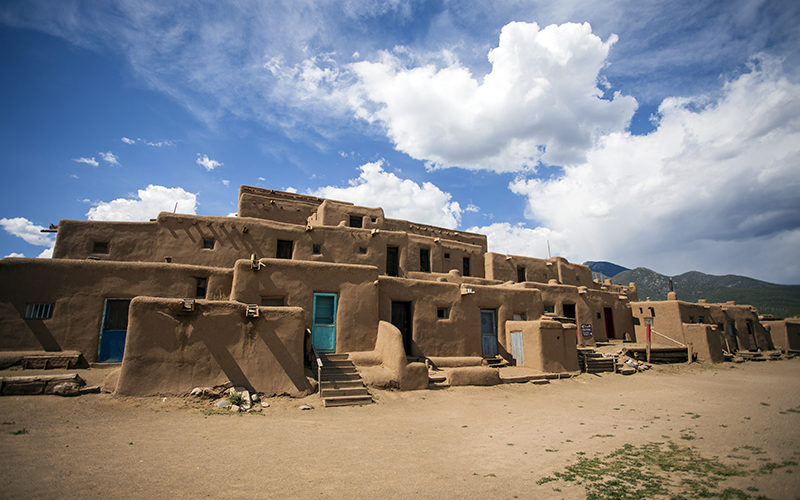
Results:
[323, 327]
[114, 330]
[489, 332]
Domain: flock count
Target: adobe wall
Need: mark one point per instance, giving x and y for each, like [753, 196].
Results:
[274, 205]
[504, 268]
[548, 346]
[337, 213]
[78, 290]
[170, 352]
[297, 281]
[460, 333]
[180, 239]
[706, 342]
[589, 310]
[785, 333]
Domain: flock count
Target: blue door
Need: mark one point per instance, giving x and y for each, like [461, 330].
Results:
[489, 332]
[112, 334]
[323, 327]
[518, 348]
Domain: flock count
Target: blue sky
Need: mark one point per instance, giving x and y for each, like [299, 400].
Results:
[657, 134]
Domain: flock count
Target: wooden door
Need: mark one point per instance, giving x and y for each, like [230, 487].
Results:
[323, 326]
[489, 332]
[113, 331]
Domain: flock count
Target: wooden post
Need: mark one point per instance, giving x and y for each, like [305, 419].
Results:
[690, 350]
[648, 342]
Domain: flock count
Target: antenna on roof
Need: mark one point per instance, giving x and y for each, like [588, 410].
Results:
[548, 250]
[174, 210]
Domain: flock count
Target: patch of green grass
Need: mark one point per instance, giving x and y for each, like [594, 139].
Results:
[602, 436]
[9, 423]
[549, 450]
[770, 467]
[650, 470]
[764, 404]
[20, 431]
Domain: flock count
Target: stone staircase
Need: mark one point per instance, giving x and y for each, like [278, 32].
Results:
[591, 361]
[437, 380]
[340, 384]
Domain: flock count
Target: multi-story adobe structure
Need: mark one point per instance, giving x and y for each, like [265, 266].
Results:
[184, 300]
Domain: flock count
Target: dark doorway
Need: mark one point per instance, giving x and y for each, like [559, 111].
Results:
[609, 318]
[569, 310]
[733, 343]
[284, 249]
[401, 318]
[392, 261]
[520, 274]
[489, 332]
[465, 266]
[424, 260]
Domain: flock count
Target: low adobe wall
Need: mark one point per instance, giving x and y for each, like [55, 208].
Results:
[78, 289]
[706, 342]
[168, 351]
[387, 366]
[548, 346]
[785, 333]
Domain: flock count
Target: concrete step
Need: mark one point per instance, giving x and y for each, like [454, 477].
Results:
[437, 378]
[347, 400]
[349, 391]
[333, 357]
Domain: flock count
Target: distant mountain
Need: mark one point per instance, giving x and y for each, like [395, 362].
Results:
[768, 298]
[608, 269]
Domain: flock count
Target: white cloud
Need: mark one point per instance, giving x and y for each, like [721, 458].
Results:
[28, 231]
[158, 144]
[262, 179]
[540, 102]
[472, 208]
[290, 189]
[714, 186]
[14, 254]
[520, 240]
[127, 140]
[226, 182]
[89, 161]
[207, 163]
[47, 253]
[400, 198]
[147, 204]
[109, 158]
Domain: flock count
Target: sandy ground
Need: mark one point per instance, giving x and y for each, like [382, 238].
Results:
[452, 443]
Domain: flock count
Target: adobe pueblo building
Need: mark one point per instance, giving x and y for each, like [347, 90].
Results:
[261, 299]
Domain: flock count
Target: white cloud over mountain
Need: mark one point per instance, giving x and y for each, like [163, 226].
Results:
[147, 204]
[399, 198]
[715, 185]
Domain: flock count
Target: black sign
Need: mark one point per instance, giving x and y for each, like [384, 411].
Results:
[586, 330]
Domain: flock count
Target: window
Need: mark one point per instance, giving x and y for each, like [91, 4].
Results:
[652, 312]
[316, 249]
[520, 274]
[424, 260]
[362, 250]
[200, 289]
[701, 319]
[373, 219]
[569, 310]
[284, 249]
[598, 315]
[447, 255]
[549, 308]
[100, 247]
[465, 266]
[39, 311]
[520, 316]
[208, 243]
[356, 221]
[442, 313]
[273, 301]
[691, 319]
[393, 261]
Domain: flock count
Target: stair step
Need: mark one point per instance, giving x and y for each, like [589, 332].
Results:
[340, 384]
[438, 385]
[337, 363]
[348, 391]
[347, 400]
[340, 376]
[333, 357]
[437, 378]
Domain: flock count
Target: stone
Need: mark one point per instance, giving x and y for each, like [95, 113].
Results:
[92, 389]
[255, 408]
[236, 408]
[541, 381]
[306, 407]
[222, 403]
[255, 397]
[627, 370]
[196, 392]
[66, 389]
[246, 401]
[264, 404]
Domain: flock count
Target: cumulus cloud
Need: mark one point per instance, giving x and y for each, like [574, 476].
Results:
[518, 239]
[128, 140]
[109, 158]
[146, 205]
[207, 163]
[713, 186]
[28, 231]
[14, 254]
[226, 182]
[540, 102]
[400, 198]
[89, 161]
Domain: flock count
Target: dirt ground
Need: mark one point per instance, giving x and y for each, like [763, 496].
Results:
[452, 443]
